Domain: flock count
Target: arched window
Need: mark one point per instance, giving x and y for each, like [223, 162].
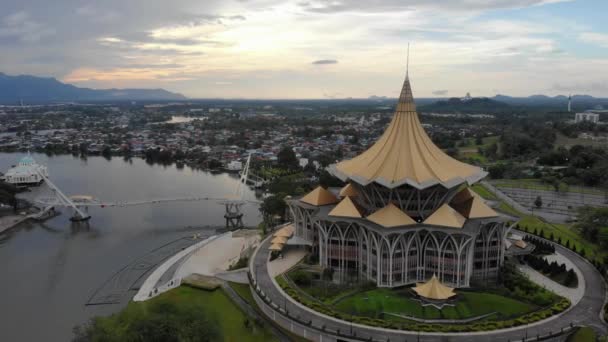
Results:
[449, 262]
[431, 257]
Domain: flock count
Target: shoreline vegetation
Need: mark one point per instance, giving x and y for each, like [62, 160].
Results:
[182, 314]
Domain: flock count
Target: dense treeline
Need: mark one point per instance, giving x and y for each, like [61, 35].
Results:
[542, 247]
[593, 223]
[163, 321]
[585, 165]
[553, 270]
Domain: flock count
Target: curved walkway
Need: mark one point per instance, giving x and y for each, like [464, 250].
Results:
[150, 286]
[586, 312]
[574, 294]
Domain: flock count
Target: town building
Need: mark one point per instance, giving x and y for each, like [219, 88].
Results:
[405, 215]
[27, 172]
[587, 116]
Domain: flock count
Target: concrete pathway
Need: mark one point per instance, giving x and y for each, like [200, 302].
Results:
[150, 287]
[217, 257]
[290, 259]
[574, 294]
[237, 276]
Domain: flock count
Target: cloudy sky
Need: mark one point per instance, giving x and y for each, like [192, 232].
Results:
[312, 48]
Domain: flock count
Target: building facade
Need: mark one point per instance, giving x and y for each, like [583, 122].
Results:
[587, 116]
[27, 172]
[405, 214]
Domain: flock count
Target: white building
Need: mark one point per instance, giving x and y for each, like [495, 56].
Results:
[235, 165]
[586, 116]
[26, 172]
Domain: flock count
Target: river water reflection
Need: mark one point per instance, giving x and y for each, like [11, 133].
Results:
[50, 269]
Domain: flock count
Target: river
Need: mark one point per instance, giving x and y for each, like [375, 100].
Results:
[49, 270]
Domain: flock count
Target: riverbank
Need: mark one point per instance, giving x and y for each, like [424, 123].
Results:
[60, 264]
[9, 222]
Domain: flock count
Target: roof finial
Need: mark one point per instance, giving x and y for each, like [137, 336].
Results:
[407, 63]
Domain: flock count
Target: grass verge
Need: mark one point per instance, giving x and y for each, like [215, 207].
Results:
[584, 334]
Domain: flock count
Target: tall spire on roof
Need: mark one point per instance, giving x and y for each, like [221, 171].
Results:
[405, 154]
[407, 62]
[406, 99]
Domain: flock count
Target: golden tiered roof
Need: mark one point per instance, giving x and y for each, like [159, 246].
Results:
[286, 231]
[279, 240]
[470, 205]
[319, 196]
[276, 247]
[405, 154]
[348, 190]
[434, 289]
[391, 216]
[346, 208]
[521, 244]
[446, 216]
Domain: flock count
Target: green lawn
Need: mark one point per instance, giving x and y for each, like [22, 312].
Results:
[483, 192]
[244, 291]
[509, 210]
[469, 304]
[470, 151]
[213, 305]
[566, 233]
[229, 317]
[584, 334]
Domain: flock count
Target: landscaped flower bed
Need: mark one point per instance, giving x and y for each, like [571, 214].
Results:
[525, 291]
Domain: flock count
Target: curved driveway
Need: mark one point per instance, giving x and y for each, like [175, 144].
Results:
[585, 312]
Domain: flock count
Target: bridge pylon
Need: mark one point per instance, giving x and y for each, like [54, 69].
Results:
[61, 199]
[233, 215]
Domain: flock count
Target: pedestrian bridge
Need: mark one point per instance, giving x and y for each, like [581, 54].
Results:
[80, 203]
[90, 201]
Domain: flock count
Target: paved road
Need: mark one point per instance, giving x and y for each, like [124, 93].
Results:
[586, 312]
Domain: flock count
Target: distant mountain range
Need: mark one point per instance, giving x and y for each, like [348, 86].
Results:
[498, 102]
[481, 105]
[577, 100]
[32, 89]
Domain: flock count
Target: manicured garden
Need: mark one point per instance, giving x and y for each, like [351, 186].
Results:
[182, 314]
[387, 303]
[517, 302]
[323, 291]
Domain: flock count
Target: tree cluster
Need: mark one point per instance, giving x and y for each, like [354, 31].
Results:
[542, 247]
[593, 223]
[586, 165]
[552, 269]
[164, 321]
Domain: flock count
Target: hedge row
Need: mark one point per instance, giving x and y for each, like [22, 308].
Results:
[532, 317]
